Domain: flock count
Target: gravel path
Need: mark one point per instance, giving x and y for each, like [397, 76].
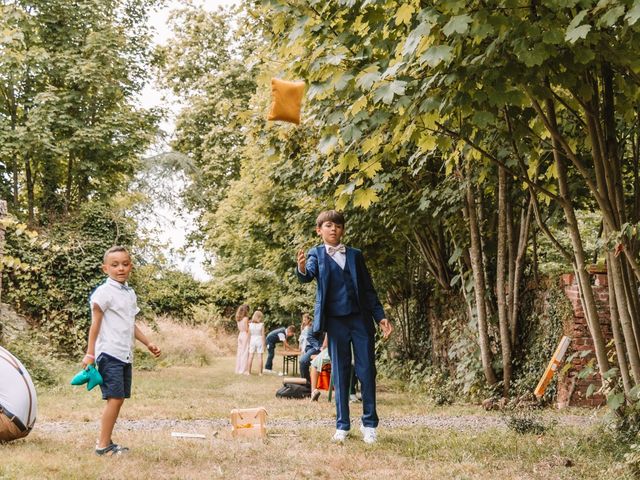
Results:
[439, 422]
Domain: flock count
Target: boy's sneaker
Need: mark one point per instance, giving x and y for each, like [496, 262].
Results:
[368, 434]
[269, 372]
[340, 436]
[315, 395]
[111, 450]
[353, 398]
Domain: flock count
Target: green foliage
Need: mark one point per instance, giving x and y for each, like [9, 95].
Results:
[69, 127]
[526, 421]
[167, 292]
[206, 65]
[418, 377]
[546, 310]
[35, 354]
[60, 268]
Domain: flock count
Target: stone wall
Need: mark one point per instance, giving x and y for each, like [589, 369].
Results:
[571, 389]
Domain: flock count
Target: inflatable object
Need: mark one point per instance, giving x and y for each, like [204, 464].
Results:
[286, 100]
[18, 400]
[88, 375]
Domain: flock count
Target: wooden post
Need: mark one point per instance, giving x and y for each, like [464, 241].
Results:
[553, 366]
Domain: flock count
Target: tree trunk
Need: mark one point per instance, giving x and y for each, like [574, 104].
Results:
[30, 190]
[523, 241]
[502, 261]
[584, 282]
[619, 340]
[479, 286]
[615, 277]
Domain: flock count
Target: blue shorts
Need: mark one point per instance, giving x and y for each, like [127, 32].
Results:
[116, 377]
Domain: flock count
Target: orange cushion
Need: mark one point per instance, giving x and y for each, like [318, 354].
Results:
[286, 100]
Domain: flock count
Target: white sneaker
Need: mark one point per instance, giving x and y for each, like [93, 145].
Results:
[269, 372]
[340, 436]
[353, 398]
[368, 434]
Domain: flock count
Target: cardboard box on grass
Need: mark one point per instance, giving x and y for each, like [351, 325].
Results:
[249, 422]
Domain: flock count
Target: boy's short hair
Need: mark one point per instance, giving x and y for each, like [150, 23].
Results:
[114, 249]
[330, 216]
[291, 328]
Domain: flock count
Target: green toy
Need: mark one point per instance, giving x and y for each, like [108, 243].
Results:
[88, 375]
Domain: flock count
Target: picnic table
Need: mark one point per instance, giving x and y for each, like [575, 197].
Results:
[289, 360]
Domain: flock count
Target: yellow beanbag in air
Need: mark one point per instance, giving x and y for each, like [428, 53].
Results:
[286, 100]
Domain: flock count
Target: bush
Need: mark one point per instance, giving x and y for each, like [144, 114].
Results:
[49, 276]
[167, 292]
[527, 421]
[32, 352]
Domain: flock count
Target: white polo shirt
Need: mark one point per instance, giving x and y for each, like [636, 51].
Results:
[119, 305]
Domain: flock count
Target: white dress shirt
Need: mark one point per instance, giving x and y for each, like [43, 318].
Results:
[339, 257]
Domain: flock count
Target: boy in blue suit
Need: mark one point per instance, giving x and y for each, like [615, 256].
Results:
[346, 308]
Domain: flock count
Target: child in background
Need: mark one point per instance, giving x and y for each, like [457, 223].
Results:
[111, 340]
[257, 339]
[305, 330]
[317, 363]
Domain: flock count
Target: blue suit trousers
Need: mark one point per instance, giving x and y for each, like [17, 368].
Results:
[345, 333]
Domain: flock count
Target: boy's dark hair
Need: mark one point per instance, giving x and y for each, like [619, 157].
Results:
[114, 249]
[330, 216]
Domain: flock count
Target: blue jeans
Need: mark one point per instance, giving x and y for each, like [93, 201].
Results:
[271, 351]
[346, 333]
[305, 361]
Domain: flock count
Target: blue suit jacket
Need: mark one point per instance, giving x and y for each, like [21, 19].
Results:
[316, 267]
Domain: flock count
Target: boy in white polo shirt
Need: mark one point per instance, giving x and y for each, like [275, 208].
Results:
[111, 339]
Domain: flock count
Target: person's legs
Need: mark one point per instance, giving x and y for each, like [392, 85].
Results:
[250, 363]
[116, 386]
[108, 421]
[313, 375]
[260, 358]
[271, 351]
[365, 369]
[305, 362]
[340, 352]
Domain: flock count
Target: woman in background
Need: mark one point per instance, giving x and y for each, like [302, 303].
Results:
[242, 320]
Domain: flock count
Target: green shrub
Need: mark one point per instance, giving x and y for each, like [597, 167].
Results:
[526, 421]
[49, 276]
[32, 352]
[167, 292]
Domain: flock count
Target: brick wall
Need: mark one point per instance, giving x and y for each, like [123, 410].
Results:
[571, 389]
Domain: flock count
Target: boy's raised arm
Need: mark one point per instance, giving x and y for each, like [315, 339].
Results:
[302, 261]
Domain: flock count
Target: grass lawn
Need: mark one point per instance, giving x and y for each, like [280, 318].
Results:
[199, 398]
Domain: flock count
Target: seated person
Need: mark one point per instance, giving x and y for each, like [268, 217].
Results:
[313, 347]
[316, 367]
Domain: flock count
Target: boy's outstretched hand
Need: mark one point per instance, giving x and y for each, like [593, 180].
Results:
[154, 349]
[302, 261]
[386, 327]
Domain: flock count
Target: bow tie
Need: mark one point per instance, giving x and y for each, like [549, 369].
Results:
[333, 250]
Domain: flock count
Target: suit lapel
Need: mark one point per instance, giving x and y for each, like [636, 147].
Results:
[351, 261]
[323, 273]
